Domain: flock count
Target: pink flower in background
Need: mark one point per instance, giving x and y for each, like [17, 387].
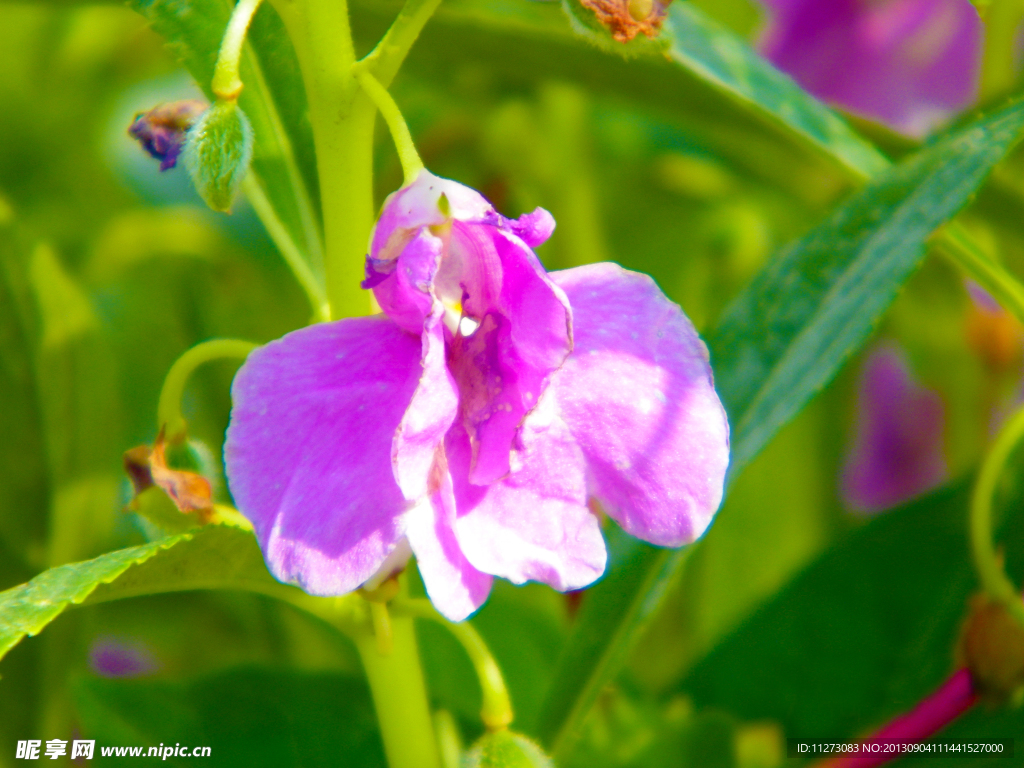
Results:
[897, 451]
[910, 64]
[114, 657]
[470, 423]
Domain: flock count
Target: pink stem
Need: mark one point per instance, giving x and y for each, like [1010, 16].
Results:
[952, 699]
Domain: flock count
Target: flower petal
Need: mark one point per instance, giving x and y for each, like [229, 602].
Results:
[637, 394]
[525, 334]
[455, 587]
[420, 205]
[534, 524]
[309, 449]
[430, 413]
[403, 286]
[909, 63]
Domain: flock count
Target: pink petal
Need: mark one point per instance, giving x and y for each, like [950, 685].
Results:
[420, 205]
[908, 63]
[534, 524]
[309, 449]
[429, 415]
[524, 336]
[454, 586]
[637, 395]
[408, 297]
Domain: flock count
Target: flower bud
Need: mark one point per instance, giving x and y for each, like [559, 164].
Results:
[504, 749]
[218, 149]
[622, 19]
[992, 648]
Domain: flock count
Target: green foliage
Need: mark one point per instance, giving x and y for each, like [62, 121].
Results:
[863, 633]
[209, 558]
[781, 340]
[251, 717]
[283, 163]
[788, 333]
[30, 607]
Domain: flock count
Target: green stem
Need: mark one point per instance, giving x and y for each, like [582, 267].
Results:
[497, 708]
[386, 58]
[986, 561]
[1002, 22]
[400, 696]
[410, 158]
[287, 247]
[226, 82]
[168, 410]
[342, 118]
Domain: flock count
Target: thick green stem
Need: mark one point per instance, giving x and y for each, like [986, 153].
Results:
[342, 118]
[168, 412]
[400, 697]
[226, 82]
[497, 708]
[986, 561]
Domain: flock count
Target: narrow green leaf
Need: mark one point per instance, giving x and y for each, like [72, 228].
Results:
[213, 557]
[782, 340]
[790, 331]
[283, 164]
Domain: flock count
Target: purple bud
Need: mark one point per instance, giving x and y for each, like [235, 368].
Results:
[113, 657]
[161, 130]
[897, 452]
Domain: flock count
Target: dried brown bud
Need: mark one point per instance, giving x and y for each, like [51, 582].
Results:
[189, 491]
[625, 19]
[992, 648]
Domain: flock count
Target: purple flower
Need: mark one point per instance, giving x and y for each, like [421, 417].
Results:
[471, 421]
[113, 657]
[910, 64]
[161, 131]
[897, 452]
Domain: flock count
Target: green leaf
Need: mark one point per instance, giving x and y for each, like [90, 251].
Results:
[789, 332]
[865, 632]
[727, 62]
[249, 717]
[28, 608]
[283, 164]
[212, 557]
[782, 340]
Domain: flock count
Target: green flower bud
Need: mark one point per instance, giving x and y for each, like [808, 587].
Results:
[218, 149]
[504, 749]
